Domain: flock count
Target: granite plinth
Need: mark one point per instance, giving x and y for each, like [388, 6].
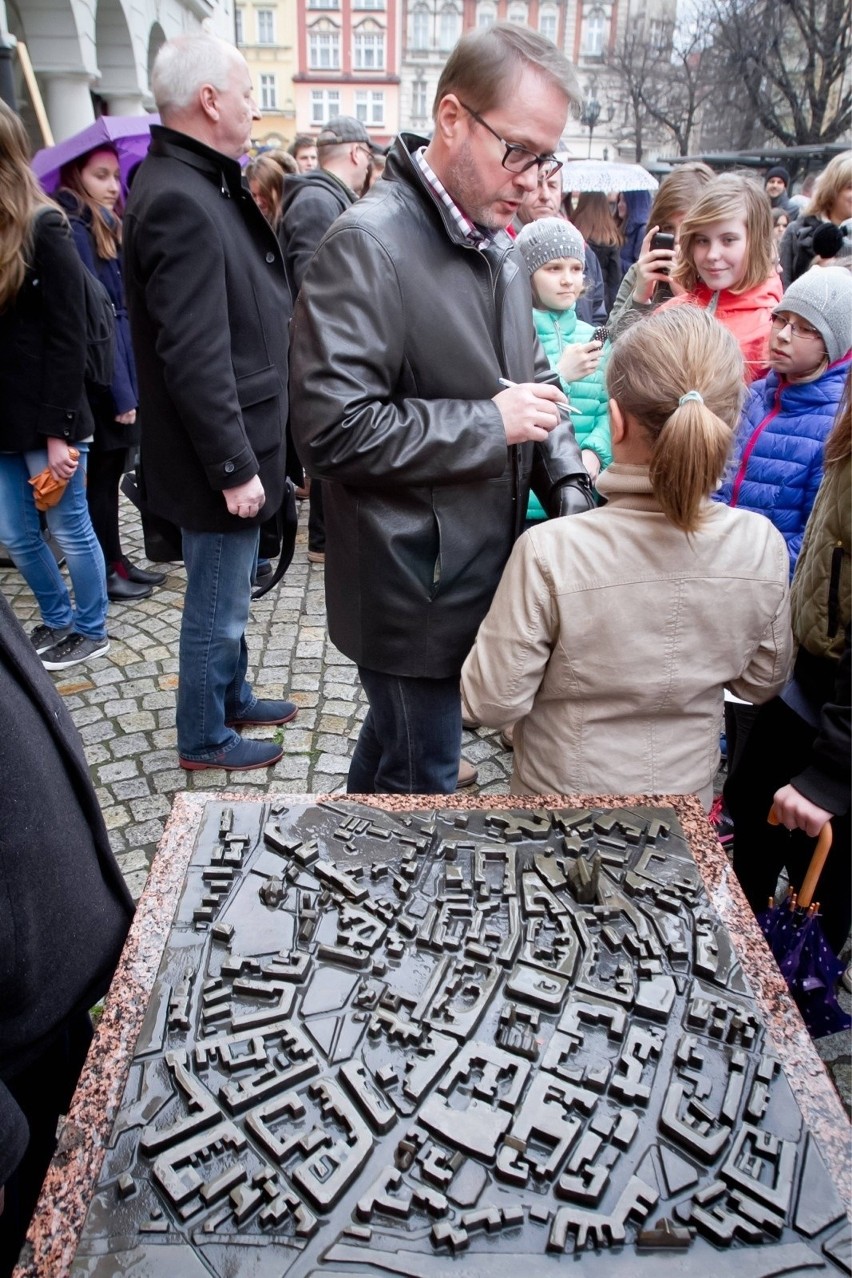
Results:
[493, 1108]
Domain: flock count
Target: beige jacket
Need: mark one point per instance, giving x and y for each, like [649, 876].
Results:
[612, 636]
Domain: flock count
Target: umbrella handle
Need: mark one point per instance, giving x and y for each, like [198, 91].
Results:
[818, 860]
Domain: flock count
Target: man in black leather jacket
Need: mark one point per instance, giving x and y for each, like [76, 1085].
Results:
[413, 309]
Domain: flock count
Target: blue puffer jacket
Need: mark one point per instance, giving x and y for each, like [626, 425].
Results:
[777, 462]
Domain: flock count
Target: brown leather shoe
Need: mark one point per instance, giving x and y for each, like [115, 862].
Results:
[467, 775]
[507, 736]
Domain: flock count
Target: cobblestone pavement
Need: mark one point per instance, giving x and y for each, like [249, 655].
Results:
[124, 706]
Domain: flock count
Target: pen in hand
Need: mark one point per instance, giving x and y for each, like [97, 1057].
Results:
[563, 408]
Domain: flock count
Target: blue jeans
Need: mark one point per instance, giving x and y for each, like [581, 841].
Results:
[410, 741]
[212, 685]
[20, 531]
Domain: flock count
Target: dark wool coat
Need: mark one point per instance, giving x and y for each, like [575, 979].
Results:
[43, 346]
[209, 311]
[64, 907]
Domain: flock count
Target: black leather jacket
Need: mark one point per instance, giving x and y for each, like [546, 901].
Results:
[400, 334]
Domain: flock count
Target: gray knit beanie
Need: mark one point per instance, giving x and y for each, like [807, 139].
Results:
[823, 297]
[550, 237]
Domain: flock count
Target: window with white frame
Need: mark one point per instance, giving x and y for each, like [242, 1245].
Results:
[369, 4]
[486, 15]
[324, 47]
[370, 107]
[419, 107]
[369, 49]
[323, 4]
[325, 105]
[659, 34]
[268, 93]
[595, 25]
[238, 26]
[517, 14]
[450, 27]
[265, 26]
[548, 22]
[421, 21]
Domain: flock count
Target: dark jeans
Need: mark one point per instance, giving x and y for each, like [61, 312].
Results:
[410, 741]
[43, 1091]
[778, 748]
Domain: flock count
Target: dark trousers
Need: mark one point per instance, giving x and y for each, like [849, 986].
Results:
[106, 466]
[316, 518]
[779, 748]
[410, 741]
[43, 1091]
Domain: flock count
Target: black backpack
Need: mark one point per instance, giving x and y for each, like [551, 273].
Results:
[100, 329]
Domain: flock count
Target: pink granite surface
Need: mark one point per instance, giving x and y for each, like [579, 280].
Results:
[61, 1212]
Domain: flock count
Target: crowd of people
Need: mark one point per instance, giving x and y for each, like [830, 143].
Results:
[565, 454]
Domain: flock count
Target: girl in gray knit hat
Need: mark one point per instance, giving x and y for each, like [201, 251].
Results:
[554, 252]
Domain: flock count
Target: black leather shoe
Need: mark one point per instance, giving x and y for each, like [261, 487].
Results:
[142, 575]
[120, 590]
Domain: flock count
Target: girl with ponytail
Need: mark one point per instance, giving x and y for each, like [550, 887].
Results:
[613, 635]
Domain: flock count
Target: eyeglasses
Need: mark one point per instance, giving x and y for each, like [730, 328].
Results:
[517, 158]
[797, 328]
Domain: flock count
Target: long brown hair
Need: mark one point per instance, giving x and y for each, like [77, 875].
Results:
[652, 370]
[593, 218]
[269, 176]
[106, 232]
[20, 197]
[677, 192]
[835, 177]
[838, 446]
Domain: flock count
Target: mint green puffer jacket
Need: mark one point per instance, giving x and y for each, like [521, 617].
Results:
[558, 329]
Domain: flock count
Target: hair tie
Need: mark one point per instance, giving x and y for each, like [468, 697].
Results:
[694, 395]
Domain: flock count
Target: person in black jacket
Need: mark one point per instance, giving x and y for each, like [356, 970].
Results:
[312, 201]
[64, 914]
[414, 308]
[45, 422]
[209, 310]
[832, 202]
[90, 192]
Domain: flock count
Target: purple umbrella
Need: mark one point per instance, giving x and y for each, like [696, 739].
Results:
[796, 938]
[129, 135]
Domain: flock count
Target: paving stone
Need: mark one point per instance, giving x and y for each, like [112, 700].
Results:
[118, 771]
[333, 764]
[153, 805]
[146, 832]
[86, 714]
[101, 731]
[134, 788]
[132, 744]
[115, 817]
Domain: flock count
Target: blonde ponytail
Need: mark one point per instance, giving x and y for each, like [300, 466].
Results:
[679, 376]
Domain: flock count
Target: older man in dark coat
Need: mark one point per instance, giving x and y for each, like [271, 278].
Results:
[209, 307]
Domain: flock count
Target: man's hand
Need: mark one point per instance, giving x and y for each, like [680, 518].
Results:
[529, 411]
[798, 813]
[126, 419]
[246, 499]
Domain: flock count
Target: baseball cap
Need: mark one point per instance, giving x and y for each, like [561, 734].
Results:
[343, 128]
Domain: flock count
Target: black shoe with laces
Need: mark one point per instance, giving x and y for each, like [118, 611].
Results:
[44, 637]
[73, 650]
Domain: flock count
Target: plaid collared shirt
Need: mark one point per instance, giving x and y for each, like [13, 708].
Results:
[469, 229]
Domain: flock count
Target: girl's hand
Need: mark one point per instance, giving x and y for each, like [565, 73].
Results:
[651, 269]
[62, 460]
[579, 361]
[126, 419]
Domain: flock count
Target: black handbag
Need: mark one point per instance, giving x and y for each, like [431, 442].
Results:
[162, 538]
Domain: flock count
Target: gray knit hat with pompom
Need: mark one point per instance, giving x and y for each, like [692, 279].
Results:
[548, 238]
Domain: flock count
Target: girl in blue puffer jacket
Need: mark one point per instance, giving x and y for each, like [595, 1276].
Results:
[554, 252]
[778, 457]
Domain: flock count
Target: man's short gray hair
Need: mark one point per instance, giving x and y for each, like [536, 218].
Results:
[184, 64]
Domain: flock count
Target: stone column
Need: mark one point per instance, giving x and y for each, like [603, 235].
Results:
[125, 103]
[67, 101]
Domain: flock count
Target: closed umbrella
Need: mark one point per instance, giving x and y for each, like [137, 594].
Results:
[798, 943]
[607, 176]
[128, 135]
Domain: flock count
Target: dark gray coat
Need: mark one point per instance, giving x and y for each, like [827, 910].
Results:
[209, 308]
[400, 335]
[64, 907]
